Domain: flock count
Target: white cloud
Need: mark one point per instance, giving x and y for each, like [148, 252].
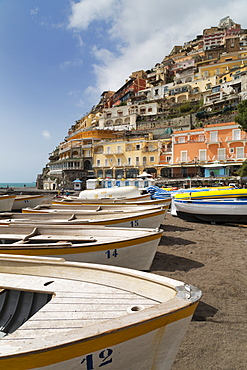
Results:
[78, 38]
[87, 11]
[71, 63]
[46, 134]
[138, 34]
[34, 11]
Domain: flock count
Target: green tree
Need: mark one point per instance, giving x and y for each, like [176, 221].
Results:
[241, 117]
[242, 172]
[185, 107]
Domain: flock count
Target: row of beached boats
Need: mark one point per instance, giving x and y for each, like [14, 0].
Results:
[215, 205]
[74, 293]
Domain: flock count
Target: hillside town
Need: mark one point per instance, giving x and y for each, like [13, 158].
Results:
[175, 121]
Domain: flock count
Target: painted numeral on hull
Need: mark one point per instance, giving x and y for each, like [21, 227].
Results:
[134, 223]
[111, 253]
[105, 357]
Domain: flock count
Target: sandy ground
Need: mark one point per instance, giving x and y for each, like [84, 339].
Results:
[213, 258]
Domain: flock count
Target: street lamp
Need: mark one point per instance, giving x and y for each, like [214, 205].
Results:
[196, 168]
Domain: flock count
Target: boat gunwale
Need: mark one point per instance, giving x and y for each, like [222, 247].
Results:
[112, 218]
[145, 235]
[133, 325]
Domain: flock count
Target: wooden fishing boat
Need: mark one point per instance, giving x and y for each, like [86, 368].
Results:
[74, 199]
[145, 202]
[126, 247]
[22, 201]
[151, 218]
[69, 315]
[189, 193]
[230, 210]
[90, 208]
[6, 202]
[124, 192]
[213, 194]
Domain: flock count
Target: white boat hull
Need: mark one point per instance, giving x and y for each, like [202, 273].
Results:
[6, 202]
[114, 192]
[119, 202]
[212, 210]
[144, 352]
[22, 201]
[125, 247]
[137, 256]
[98, 316]
[149, 218]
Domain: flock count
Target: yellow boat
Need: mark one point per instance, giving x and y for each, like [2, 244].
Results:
[213, 193]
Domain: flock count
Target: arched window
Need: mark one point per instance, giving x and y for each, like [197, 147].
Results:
[87, 165]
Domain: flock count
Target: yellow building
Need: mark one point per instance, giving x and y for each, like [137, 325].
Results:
[128, 158]
[224, 67]
[73, 157]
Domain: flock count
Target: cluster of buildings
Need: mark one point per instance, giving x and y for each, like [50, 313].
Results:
[173, 121]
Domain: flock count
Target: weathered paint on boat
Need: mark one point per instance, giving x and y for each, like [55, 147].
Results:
[145, 202]
[6, 202]
[98, 316]
[126, 247]
[219, 193]
[78, 200]
[22, 201]
[213, 210]
[152, 218]
[86, 209]
[90, 208]
[112, 192]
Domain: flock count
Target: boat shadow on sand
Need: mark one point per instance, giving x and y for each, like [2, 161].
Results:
[203, 312]
[171, 228]
[169, 241]
[171, 263]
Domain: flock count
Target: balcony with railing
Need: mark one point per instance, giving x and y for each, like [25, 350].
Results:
[195, 139]
[117, 152]
[180, 160]
[211, 140]
[65, 165]
[69, 145]
[195, 162]
[164, 159]
[232, 158]
[129, 148]
[189, 139]
[234, 138]
[237, 157]
[149, 149]
[98, 151]
[179, 140]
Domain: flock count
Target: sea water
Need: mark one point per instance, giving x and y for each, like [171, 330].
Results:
[17, 184]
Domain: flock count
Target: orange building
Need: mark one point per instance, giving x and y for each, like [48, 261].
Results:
[214, 150]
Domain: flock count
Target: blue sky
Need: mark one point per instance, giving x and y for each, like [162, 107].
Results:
[58, 56]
